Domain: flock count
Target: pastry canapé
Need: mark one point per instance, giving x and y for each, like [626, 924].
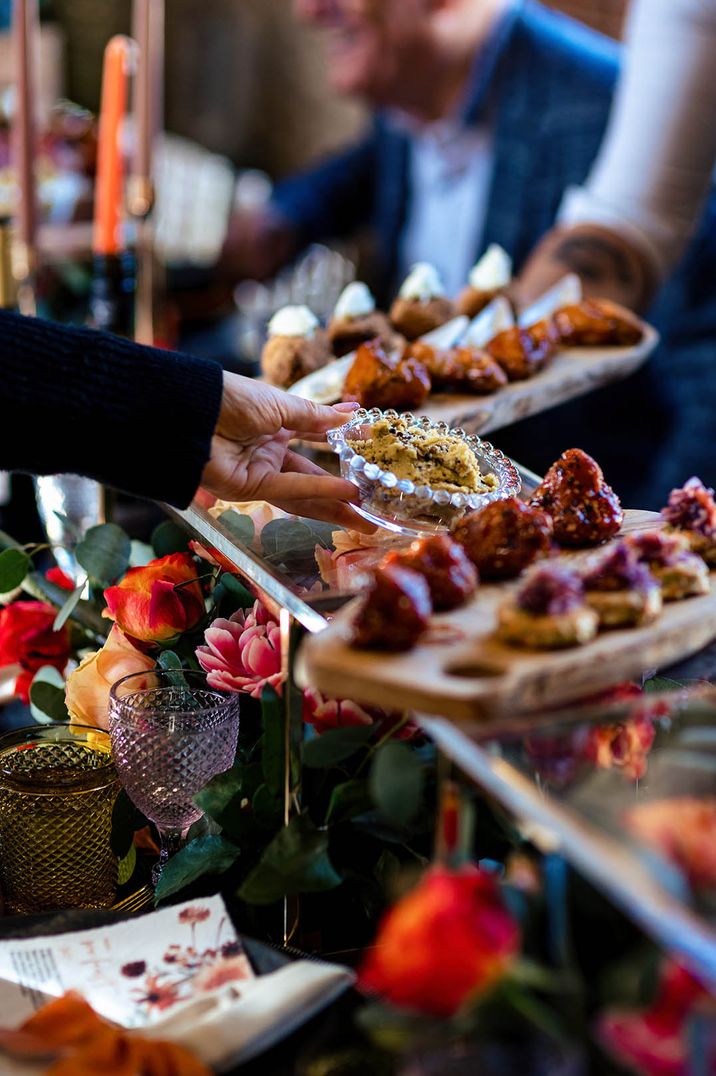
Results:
[296, 346]
[387, 378]
[691, 513]
[548, 611]
[621, 590]
[680, 573]
[395, 611]
[451, 577]
[584, 509]
[355, 320]
[504, 537]
[421, 305]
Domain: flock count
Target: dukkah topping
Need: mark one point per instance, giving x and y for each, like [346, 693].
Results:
[428, 457]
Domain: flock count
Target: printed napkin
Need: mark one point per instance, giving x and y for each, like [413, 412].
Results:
[179, 974]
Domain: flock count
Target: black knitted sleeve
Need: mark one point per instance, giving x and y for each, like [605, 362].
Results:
[85, 402]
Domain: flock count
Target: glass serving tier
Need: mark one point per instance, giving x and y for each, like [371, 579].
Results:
[626, 792]
[399, 504]
[309, 569]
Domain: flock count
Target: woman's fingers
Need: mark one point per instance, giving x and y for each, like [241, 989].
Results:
[295, 486]
[330, 512]
[311, 418]
[293, 461]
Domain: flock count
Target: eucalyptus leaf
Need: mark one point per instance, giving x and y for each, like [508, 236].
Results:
[173, 665]
[267, 807]
[293, 542]
[14, 566]
[245, 599]
[218, 793]
[104, 552]
[273, 743]
[663, 683]
[69, 607]
[125, 867]
[168, 537]
[336, 746]
[205, 855]
[296, 861]
[241, 527]
[348, 800]
[396, 783]
[47, 696]
[140, 554]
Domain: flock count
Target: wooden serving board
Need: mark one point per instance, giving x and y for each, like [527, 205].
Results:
[462, 671]
[573, 372]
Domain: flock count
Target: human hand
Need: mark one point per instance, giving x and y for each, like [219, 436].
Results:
[257, 244]
[608, 265]
[251, 459]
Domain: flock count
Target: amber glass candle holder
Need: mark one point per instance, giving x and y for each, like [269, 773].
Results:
[58, 786]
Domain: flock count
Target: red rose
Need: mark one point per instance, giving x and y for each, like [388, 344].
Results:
[27, 640]
[159, 602]
[654, 1041]
[59, 578]
[449, 939]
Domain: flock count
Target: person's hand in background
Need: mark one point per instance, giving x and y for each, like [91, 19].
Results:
[258, 243]
[251, 458]
[608, 265]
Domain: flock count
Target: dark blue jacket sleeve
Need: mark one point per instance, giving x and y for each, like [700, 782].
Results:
[333, 199]
[85, 402]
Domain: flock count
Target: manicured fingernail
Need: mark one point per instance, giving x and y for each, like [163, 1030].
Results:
[352, 405]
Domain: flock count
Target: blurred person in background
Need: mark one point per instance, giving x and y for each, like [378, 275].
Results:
[625, 229]
[484, 112]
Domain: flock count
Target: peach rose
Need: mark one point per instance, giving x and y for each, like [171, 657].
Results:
[88, 687]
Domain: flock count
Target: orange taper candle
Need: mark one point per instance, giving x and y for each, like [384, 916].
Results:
[109, 193]
[25, 35]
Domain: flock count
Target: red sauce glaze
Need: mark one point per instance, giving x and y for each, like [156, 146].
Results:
[444, 565]
[504, 537]
[584, 509]
[395, 612]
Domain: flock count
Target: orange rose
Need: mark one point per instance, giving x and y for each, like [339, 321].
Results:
[449, 939]
[87, 694]
[159, 602]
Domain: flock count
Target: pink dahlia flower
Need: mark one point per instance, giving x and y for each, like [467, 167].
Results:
[243, 653]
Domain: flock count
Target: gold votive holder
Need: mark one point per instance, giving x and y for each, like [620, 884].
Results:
[58, 786]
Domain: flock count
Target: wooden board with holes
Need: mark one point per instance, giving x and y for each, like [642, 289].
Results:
[462, 671]
[573, 372]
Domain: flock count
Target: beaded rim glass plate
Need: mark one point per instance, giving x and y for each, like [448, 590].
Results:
[404, 507]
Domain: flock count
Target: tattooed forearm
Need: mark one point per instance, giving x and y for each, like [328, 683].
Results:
[610, 267]
[596, 258]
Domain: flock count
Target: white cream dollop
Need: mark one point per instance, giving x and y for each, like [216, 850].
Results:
[422, 283]
[293, 321]
[494, 269]
[355, 301]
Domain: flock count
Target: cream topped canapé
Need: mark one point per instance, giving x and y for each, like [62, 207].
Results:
[293, 321]
[355, 301]
[422, 284]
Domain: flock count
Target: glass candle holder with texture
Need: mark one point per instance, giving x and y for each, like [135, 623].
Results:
[58, 785]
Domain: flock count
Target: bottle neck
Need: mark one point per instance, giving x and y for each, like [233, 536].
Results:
[111, 306]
